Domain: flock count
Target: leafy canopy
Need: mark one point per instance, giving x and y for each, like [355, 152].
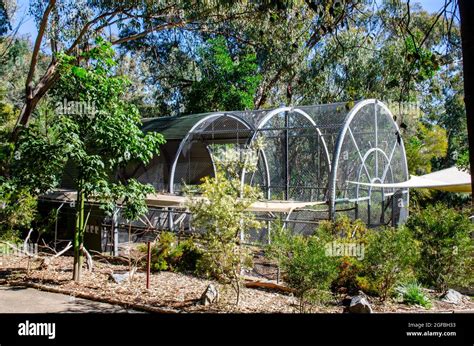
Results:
[95, 130]
[227, 82]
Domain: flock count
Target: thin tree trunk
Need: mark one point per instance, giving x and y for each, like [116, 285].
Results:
[466, 10]
[79, 236]
[236, 285]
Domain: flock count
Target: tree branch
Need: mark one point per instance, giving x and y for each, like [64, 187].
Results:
[87, 26]
[147, 31]
[39, 39]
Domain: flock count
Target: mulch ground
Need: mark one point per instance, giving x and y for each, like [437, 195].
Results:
[171, 292]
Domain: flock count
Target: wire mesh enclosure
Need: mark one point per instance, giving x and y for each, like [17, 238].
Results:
[310, 153]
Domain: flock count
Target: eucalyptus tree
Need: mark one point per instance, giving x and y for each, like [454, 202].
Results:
[406, 59]
[71, 26]
[227, 82]
[281, 34]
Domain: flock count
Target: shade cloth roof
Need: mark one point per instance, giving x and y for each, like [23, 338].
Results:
[176, 127]
[450, 179]
[165, 200]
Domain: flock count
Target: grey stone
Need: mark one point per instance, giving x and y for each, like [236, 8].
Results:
[359, 305]
[452, 297]
[210, 295]
[118, 278]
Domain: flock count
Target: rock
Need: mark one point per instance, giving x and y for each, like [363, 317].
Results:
[452, 297]
[359, 305]
[210, 295]
[118, 278]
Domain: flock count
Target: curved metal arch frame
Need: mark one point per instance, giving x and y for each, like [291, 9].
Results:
[191, 131]
[340, 139]
[299, 111]
[372, 180]
[267, 172]
[270, 115]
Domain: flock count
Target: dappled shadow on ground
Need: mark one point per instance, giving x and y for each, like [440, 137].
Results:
[89, 306]
[15, 288]
[12, 273]
[55, 281]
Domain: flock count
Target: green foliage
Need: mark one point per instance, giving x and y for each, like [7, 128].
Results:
[429, 143]
[96, 130]
[305, 264]
[10, 236]
[345, 231]
[348, 278]
[412, 294]
[41, 152]
[454, 120]
[389, 258]
[17, 198]
[227, 82]
[17, 208]
[221, 211]
[446, 246]
[222, 214]
[8, 116]
[105, 134]
[424, 63]
[190, 255]
[167, 253]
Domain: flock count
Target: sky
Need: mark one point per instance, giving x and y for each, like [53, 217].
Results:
[28, 27]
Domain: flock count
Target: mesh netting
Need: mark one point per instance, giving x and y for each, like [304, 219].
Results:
[310, 153]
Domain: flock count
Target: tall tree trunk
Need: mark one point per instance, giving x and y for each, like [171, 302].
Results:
[466, 10]
[79, 235]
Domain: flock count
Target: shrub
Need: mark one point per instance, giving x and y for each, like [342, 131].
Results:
[412, 294]
[344, 228]
[11, 237]
[349, 269]
[169, 254]
[347, 232]
[188, 256]
[163, 251]
[223, 215]
[17, 208]
[446, 246]
[306, 267]
[388, 260]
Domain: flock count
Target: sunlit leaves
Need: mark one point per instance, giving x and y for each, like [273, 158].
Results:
[227, 83]
[105, 135]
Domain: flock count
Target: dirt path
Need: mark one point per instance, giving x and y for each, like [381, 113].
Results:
[14, 299]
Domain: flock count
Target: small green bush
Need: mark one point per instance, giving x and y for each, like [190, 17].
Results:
[169, 254]
[412, 294]
[345, 231]
[349, 269]
[224, 217]
[188, 256]
[10, 236]
[388, 260]
[17, 208]
[306, 267]
[344, 228]
[446, 247]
